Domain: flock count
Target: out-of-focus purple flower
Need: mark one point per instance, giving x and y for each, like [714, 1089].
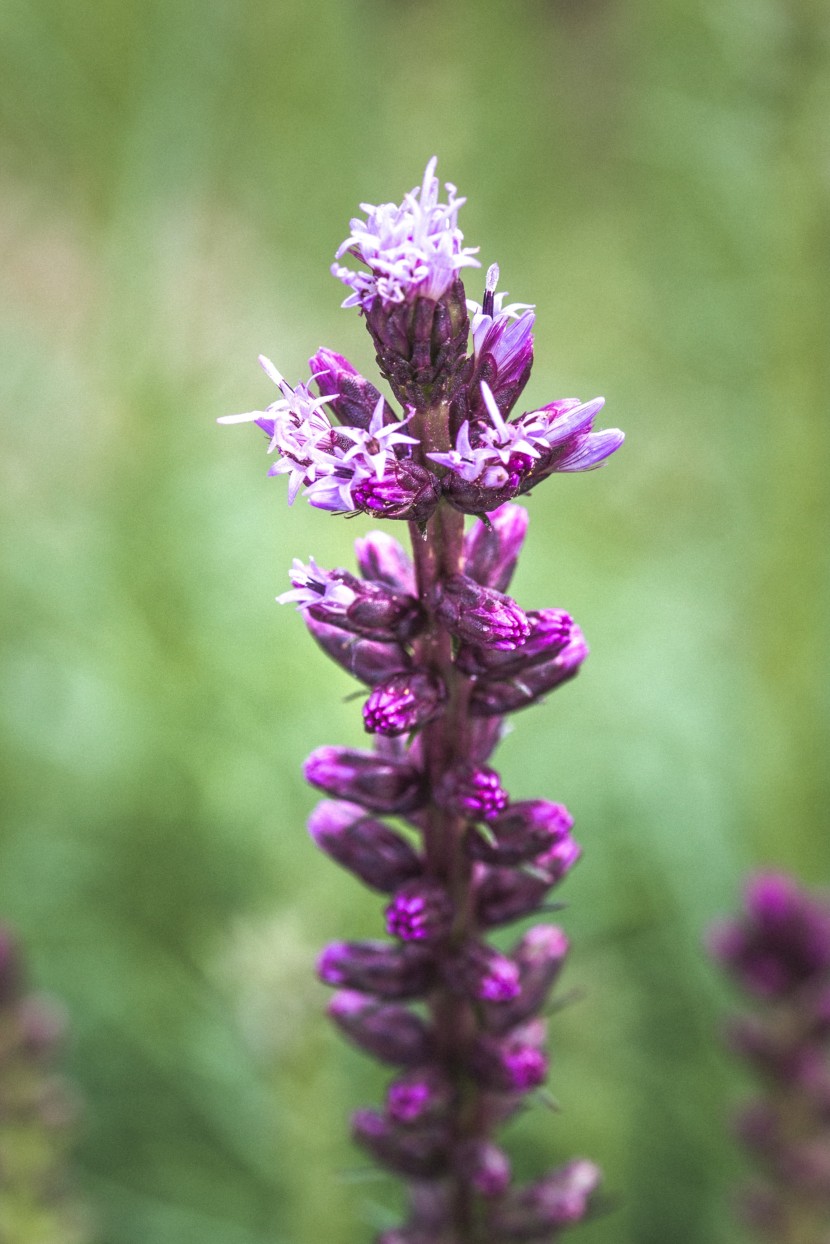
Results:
[479, 615]
[782, 943]
[484, 1166]
[507, 894]
[379, 856]
[412, 250]
[393, 1034]
[539, 956]
[381, 784]
[421, 911]
[404, 703]
[515, 1063]
[388, 970]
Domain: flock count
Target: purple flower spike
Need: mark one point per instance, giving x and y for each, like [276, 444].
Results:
[380, 784]
[479, 615]
[491, 549]
[421, 911]
[389, 1033]
[445, 654]
[371, 850]
[391, 972]
[403, 703]
[473, 791]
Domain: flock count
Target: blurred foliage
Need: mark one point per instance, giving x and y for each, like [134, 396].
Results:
[175, 179]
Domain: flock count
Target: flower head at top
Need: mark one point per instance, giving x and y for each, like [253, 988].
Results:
[412, 249]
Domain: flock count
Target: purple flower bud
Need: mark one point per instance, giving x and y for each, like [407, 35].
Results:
[515, 1063]
[403, 703]
[497, 697]
[367, 659]
[404, 491]
[539, 957]
[550, 632]
[491, 549]
[525, 831]
[389, 1033]
[508, 894]
[371, 850]
[546, 1206]
[482, 972]
[420, 1153]
[483, 1166]
[354, 398]
[381, 559]
[479, 615]
[421, 911]
[392, 972]
[418, 1095]
[381, 784]
[472, 791]
[338, 598]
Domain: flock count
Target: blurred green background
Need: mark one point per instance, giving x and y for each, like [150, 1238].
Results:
[175, 179]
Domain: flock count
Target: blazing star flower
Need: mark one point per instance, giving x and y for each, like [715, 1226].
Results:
[412, 250]
[445, 655]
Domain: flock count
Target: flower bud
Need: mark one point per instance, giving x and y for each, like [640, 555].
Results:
[509, 695]
[418, 1095]
[420, 1153]
[338, 598]
[354, 398]
[550, 632]
[515, 1063]
[403, 703]
[546, 1206]
[526, 830]
[472, 791]
[421, 911]
[508, 894]
[483, 973]
[421, 345]
[391, 972]
[383, 560]
[479, 615]
[371, 850]
[379, 783]
[392, 1034]
[406, 490]
[367, 659]
[491, 550]
[483, 1166]
[539, 956]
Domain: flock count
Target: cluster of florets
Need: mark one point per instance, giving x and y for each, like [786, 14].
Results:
[517, 853]
[35, 1109]
[779, 953]
[347, 446]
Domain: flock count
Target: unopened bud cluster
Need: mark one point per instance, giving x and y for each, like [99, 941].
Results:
[778, 952]
[444, 654]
